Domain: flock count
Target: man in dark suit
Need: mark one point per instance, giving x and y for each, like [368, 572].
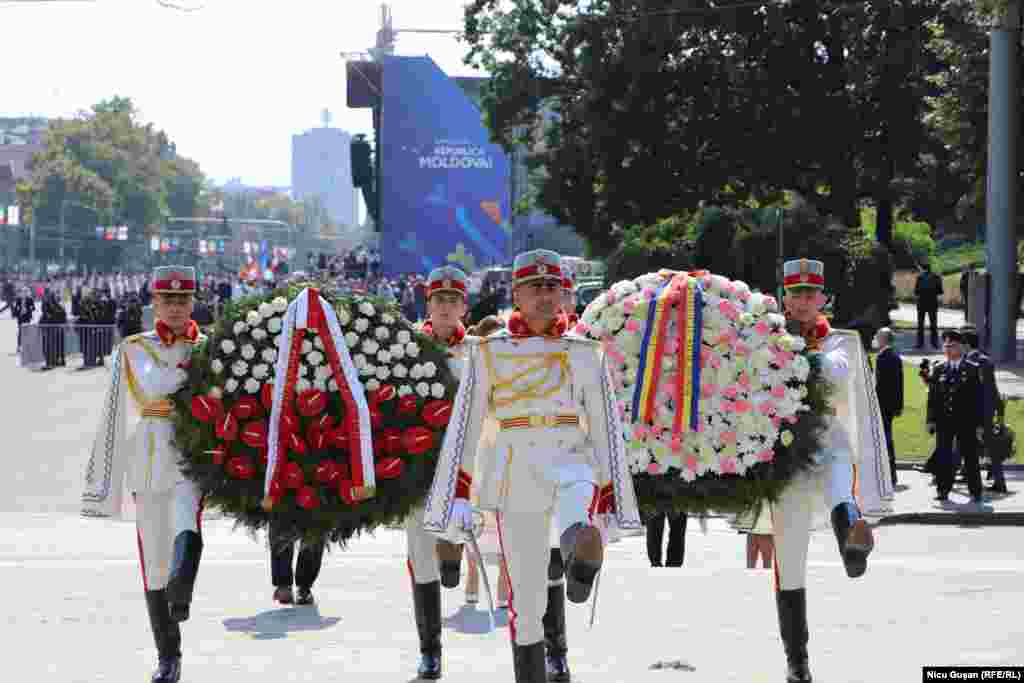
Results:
[956, 413]
[928, 290]
[889, 387]
[990, 399]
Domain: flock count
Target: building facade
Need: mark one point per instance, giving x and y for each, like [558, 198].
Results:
[322, 165]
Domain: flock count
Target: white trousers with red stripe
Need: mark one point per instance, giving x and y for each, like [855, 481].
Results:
[526, 539]
[793, 515]
[160, 516]
[424, 565]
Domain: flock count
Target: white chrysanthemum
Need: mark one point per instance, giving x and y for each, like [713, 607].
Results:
[274, 325]
[253, 318]
[269, 355]
[400, 371]
[367, 309]
[359, 360]
[404, 390]
[217, 366]
[388, 319]
[239, 368]
[320, 384]
[429, 369]
[416, 372]
[215, 392]
[239, 328]
[303, 370]
[303, 385]
[423, 389]
[266, 310]
[277, 340]
[372, 385]
[318, 343]
[412, 349]
[280, 304]
[370, 347]
[368, 370]
[437, 390]
[362, 325]
[307, 346]
[383, 357]
[227, 346]
[381, 333]
[260, 371]
[314, 358]
[248, 352]
[332, 385]
[351, 340]
[252, 386]
[403, 337]
[383, 372]
[259, 334]
[397, 351]
[344, 317]
[231, 386]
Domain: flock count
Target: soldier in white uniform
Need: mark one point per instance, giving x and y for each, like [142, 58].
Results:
[134, 448]
[434, 561]
[558, 452]
[848, 466]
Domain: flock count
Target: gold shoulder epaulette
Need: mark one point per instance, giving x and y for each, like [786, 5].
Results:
[136, 338]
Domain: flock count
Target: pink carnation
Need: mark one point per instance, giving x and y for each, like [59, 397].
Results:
[628, 305]
[763, 328]
[677, 444]
[767, 455]
[727, 309]
[791, 419]
[779, 391]
[767, 408]
[653, 468]
[708, 390]
[741, 349]
[743, 406]
[691, 463]
[649, 293]
[632, 326]
[731, 391]
[770, 302]
[777, 421]
[582, 328]
[640, 432]
[729, 437]
[728, 466]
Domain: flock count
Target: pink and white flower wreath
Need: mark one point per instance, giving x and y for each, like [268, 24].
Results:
[752, 376]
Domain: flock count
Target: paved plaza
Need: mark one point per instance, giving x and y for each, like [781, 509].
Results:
[934, 594]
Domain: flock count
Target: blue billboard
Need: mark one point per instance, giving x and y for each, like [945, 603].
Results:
[445, 188]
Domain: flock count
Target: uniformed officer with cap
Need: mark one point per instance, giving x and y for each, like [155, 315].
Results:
[135, 447]
[956, 414]
[558, 453]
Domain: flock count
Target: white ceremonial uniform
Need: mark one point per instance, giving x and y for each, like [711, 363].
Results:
[558, 445]
[134, 448]
[422, 545]
[853, 467]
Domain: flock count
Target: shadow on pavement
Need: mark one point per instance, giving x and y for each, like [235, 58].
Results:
[278, 623]
[469, 619]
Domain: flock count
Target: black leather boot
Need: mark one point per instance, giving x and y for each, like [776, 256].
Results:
[188, 548]
[582, 552]
[166, 636]
[450, 556]
[554, 635]
[792, 607]
[426, 598]
[528, 661]
[854, 537]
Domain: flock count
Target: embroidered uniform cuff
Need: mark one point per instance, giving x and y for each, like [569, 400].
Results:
[463, 485]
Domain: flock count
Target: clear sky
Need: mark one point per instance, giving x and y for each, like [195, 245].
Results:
[230, 83]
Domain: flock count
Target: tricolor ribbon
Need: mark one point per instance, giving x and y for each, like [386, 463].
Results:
[685, 293]
[310, 311]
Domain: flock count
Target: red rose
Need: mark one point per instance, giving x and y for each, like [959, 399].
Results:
[325, 423]
[207, 408]
[311, 402]
[437, 413]
[247, 407]
[254, 434]
[288, 424]
[267, 396]
[328, 472]
[345, 491]
[407, 404]
[292, 477]
[390, 441]
[316, 438]
[386, 393]
[307, 498]
[296, 444]
[227, 428]
[240, 467]
[376, 417]
[389, 468]
[338, 438]
[276, 491]
[417, 440]
[264, 456]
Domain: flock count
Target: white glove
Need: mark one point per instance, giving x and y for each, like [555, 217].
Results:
[462, 515]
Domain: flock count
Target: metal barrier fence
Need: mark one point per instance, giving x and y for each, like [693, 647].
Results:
[50, 345]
